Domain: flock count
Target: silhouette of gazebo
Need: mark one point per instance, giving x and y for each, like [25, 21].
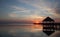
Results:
[48, 19]
[48, 26]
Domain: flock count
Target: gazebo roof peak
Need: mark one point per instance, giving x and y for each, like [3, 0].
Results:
[48, 19]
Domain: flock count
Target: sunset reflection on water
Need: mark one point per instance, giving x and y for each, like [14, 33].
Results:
[31, 27]
[21, 30]
[37, 27]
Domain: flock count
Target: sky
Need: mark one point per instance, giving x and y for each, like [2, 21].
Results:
[18, 10]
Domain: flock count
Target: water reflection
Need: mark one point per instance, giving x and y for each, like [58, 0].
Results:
[21, 31]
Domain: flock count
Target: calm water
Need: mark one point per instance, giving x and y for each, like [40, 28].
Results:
[20, 31]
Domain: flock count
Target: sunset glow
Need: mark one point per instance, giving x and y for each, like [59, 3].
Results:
[36, 21]
[29, 9]
[26, 18]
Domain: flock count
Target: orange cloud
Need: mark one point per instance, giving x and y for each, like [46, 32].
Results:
[57, 20]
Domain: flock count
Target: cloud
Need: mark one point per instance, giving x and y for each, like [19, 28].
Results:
[57, 19]
[57, 11]
[40, 3]
[44, 7]
[19, 12]
[21, 9]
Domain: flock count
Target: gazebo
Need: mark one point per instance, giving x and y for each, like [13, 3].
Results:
[48, 26]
